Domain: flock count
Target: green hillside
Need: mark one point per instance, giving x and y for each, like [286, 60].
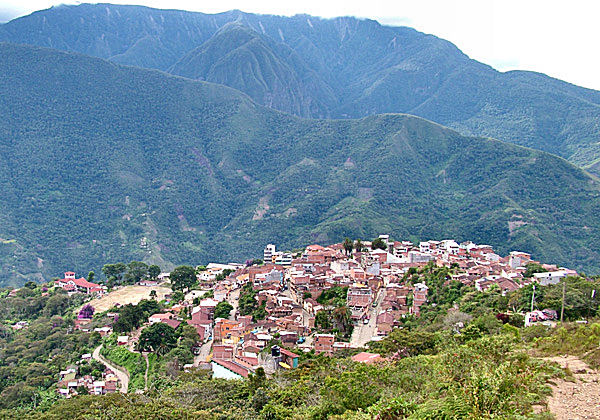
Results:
[270, 73]
[340, 68]
[96, 156]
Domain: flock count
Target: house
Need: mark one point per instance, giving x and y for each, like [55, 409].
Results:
[99, 388]
[153, 319]
[324, 343]
[550, 277]
[103, 331]
[227, 369]
[122, 340]
[367, 358]
[222, 352]
[289, 360]
[419, 297]
[72, 284]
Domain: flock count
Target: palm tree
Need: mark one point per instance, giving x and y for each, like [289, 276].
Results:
[358, 245]
[348, 246]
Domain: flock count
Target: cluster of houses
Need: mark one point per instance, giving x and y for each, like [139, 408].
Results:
[288, 287]
[71, 384]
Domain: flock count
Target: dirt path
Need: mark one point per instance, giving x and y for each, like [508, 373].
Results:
[145, 355]
[120, 372]
[578, 399]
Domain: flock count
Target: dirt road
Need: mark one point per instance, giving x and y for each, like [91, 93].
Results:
[578, 399]
[121, 373]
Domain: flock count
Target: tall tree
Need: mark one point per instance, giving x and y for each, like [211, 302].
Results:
[183, 277]
[348, 246]
[154, 271]
[358, 245]
[114, 272]
[378, 244]
[136, 271]
[157, 337]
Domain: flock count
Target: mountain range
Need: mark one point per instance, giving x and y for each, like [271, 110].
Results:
[332, 68]
[101, 162]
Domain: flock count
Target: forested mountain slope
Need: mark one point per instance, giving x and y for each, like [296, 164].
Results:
[340, 68]
[96, 156]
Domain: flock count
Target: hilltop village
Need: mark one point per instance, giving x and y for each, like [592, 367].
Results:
[326, 299]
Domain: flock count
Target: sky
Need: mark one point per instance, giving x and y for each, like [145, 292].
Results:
[559, 38]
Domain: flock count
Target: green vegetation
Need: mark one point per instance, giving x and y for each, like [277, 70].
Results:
[134, 272]
[337, 321]
[133, 316]
[134, 363]
[31, 358]
[460, 359]
[158, 338]
[488, 377]
[223, 310]
[378, 243]
[340, 68]
[248, 305]
[176, 171]
[182, 278]
[334, 296]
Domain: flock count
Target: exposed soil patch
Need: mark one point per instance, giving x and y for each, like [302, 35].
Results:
[576, 397]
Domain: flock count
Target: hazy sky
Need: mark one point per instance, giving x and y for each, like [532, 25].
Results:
[559, 38]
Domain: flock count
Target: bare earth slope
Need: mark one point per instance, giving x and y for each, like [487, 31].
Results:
[578, 399]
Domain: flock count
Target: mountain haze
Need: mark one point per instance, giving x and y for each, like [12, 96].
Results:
[335, 68]
[95, 157]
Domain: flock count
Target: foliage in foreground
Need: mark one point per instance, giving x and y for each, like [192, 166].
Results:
[489, 377]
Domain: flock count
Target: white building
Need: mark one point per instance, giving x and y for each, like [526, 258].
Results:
[268, 253]
[551, 277]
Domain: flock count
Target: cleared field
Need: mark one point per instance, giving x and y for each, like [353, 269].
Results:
[128, 294]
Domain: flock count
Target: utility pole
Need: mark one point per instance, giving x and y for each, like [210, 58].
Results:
[562, 307]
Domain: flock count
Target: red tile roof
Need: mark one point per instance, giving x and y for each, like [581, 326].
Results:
[289, 353]
[234, 367]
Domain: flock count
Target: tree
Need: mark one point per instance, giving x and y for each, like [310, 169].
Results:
[378, 244]
[183, 277]
[177, 296]
[323, 320]
[532, 268]
[358, 245]
[157, 336]
[90, 276]
[114, 272]
[30, 285]
[87, 312]
[223, 310]
[56, 305]
[154, 271]
[348, 246]
[136, 271]
[342, 320]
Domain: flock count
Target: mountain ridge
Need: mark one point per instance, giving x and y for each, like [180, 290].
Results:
[100, 158]
[369, 67]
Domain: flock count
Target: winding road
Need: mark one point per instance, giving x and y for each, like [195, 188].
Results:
[119, 371]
